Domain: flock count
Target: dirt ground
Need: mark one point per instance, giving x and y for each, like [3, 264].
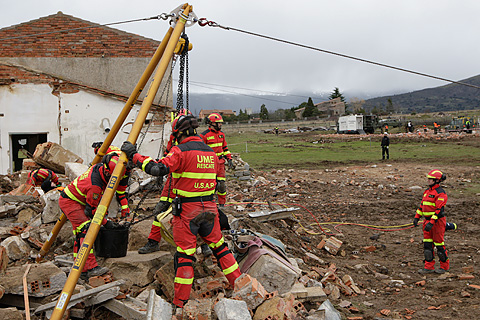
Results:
[368, 196]
[385, 193]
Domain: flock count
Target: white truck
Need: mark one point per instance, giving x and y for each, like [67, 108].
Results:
[351, 124]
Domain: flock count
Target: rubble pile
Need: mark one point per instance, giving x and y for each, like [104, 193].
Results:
[289, 263]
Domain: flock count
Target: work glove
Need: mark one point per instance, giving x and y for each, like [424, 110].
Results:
[161, 206]
[428, 226]
[110, 225]
[230, 164]
[88, 211]
[415, 222]
[129, 149]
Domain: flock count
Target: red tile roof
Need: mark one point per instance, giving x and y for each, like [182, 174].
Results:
[87, 39]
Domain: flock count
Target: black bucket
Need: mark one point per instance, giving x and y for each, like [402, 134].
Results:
[112, 243]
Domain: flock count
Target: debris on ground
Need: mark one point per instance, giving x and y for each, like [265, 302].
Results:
[310, 245]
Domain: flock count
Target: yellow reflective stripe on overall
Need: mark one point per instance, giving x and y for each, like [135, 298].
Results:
[188, 252]
[183, 280]
[427, 240]
[194, 175]
[79, 228]
[221, 178]
[431, 213]
[156, 223]
[125, 206]
[218, 244]
[439, 244]
[213, 145]
[427, 203]
[231, 269]
[188, 194]
[145, 162]
[166, 199]
[72, 196]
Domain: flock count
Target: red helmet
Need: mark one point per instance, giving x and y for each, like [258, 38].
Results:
[184, 124]
[183, 112]
[437, 175]
[214, 118]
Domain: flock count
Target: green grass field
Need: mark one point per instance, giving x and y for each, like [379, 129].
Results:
[311, 150]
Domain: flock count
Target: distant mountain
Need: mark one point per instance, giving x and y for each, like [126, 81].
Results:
[198, 101]
[450, 97]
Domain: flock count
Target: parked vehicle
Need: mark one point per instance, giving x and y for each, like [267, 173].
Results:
[460, 124]
[391, 123]
[351, 124]
[370, 123]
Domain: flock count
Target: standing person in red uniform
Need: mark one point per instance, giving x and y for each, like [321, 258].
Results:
[432, 209]
[45, 178]
[215, 139]
[166, 197]
[193, 166]
[79, 200]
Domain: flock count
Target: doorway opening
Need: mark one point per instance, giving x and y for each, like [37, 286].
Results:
[23, 146]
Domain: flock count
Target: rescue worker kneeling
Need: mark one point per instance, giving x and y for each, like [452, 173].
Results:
[79, 200]
[193, 166]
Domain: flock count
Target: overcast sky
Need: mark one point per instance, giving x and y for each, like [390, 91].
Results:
[436, 37]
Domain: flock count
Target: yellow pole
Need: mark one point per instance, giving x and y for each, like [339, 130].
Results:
[51, 237]
[113, 132]
[133, 97]
[118, 172]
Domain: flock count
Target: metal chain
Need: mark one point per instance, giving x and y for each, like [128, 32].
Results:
[182, 76]
[186, 77]
[180, 83]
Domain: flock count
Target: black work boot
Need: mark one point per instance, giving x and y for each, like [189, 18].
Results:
[426, 271]
[440, 271]
[150, 247]
[450, 226]
[97, 271]
[206, 251]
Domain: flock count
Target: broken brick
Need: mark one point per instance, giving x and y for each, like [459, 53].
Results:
[250, 290]
[466, 277]
[474, 286]
[468, 269]
[369, 249]
[332, 245]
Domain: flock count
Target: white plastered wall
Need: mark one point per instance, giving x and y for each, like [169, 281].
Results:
[74, 120]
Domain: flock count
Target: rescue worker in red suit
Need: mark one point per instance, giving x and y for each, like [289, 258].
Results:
[45, 178]
[215, 139]
[96, 146]
[432, 209]
[121, 194]
[166, 197]
[79, 200]
[193, 166]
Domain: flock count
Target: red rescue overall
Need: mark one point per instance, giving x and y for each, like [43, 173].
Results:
[193, 166]
[432, 209]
